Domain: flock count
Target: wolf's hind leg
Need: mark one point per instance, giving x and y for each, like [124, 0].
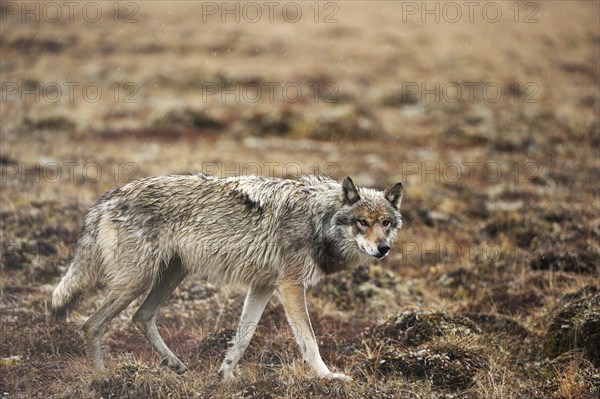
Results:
[145, 316]
[293, 297]
[95, 326]
[254, 305]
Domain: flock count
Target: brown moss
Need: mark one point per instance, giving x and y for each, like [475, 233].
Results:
[576, 325]
[137, 381]
[522, 230]
[430, 346]
[462, 283]
[53, 122]
[446, 366]
[508, 298]
[359, 287]
[347, 122]
[547, 219]
[584, 260]
[274, 122]
[498, 324]
[214, 346]
[416, 328]
[188, 118]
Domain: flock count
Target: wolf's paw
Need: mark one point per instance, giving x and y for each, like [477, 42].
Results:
[226, 374]
[337, 376]
[179, 368]
[174, 364]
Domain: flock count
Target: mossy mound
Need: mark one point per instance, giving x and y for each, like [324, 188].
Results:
[498, 324]
[341, 122]
[39, 238]
[576, 326]
[214, 346]
[448, 366]
[137, 381]
[50, 122]
[188, 119]
[522, 232]
[573, 260]
[272, 122]
[435, 346]
[461, 283]
[370, 286]
[568, 376]
[415, 328]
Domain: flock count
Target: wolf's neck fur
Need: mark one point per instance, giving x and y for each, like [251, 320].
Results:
[333, 252]
[333, 257]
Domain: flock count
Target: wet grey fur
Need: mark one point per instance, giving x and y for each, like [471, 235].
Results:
[272, 235]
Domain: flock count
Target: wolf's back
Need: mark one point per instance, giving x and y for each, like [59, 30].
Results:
[191, 215]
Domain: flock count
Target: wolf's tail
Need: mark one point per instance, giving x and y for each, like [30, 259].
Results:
[73, 286]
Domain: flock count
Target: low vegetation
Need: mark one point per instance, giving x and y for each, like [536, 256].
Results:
[493, 288]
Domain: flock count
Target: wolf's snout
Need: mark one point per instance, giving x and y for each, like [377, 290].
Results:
[383, 248]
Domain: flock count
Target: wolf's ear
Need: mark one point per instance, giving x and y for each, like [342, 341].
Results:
[394, 195]
[349, 191]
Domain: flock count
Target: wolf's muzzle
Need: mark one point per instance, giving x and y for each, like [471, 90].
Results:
[383, 250]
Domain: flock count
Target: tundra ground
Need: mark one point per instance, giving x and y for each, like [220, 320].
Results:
[493, 288]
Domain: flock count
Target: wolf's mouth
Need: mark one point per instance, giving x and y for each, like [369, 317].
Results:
[380, 256]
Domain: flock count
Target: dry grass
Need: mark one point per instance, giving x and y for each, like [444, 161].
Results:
[467, 305]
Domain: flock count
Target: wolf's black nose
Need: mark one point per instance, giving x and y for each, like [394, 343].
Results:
[383, 248]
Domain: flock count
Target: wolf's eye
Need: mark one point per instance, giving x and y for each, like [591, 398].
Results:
[363, 222]
[386, 223]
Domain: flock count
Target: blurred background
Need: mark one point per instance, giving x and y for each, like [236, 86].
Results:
[488, 111]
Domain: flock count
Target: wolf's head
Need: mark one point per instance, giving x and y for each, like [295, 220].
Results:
[369, 218]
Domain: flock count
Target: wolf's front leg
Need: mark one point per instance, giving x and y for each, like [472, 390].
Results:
[254, 305]
[293, 297]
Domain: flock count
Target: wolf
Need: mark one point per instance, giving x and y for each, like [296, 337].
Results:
[273, 235]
